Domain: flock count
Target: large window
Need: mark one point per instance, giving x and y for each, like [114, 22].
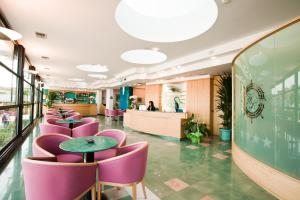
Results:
[20, 95]
[7, 125]
[8, 87]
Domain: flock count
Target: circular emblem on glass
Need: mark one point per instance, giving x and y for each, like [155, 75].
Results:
[254, 101]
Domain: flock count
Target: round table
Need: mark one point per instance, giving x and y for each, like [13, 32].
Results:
[81, 145]
[71, 122]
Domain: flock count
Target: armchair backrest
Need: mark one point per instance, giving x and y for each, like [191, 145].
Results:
[50, 129]
[126, 168]
[119, 135]
[48, 145]
[53, 180]
[89, 129]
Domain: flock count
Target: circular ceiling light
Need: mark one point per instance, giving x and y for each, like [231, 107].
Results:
[8, 34]
[166, 20]
[144, 56]
[76, 79]
[99, 76]
[92, 68]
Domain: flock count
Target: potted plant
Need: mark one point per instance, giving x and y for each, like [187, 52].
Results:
[194, 130]
[51, 97]
[224, 104]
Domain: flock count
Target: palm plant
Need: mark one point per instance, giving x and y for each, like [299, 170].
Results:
[51, 97]
[224, 99]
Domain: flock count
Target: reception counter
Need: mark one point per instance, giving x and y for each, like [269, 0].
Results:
[157, 123]
[83, 109]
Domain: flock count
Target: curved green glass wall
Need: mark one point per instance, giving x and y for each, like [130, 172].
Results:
[267, 121]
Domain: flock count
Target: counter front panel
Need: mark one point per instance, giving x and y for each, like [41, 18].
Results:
[158, 123]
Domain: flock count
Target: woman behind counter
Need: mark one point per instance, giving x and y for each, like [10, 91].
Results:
[151, 106]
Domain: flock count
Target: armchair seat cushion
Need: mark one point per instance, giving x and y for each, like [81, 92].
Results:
[106, 154]
[69, 158]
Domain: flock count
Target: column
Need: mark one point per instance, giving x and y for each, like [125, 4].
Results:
[109, 99]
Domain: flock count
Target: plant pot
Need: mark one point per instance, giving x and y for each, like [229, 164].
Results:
[225, 134]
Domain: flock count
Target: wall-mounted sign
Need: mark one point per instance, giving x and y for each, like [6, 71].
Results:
[254, 101]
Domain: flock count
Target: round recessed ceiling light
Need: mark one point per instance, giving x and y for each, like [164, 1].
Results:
[99, 76]
[8, 34]
[144, 56]
[167, 20]
[92, 68]
[76, 79]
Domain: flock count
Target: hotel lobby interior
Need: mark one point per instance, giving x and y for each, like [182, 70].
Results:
[150, 99]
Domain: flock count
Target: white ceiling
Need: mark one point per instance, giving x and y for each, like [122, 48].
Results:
[85, 32]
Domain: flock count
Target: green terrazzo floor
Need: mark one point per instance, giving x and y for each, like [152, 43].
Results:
[176, 170]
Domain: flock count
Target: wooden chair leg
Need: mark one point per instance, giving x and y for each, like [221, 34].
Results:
[133, 186]
[144, 189]
[94, 192]
[99, 191]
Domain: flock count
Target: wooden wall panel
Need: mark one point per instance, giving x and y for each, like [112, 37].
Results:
[198, 100]
[140, 92]
[153, 93]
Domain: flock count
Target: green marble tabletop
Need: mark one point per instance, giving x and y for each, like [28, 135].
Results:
[68, 121]
[80, 145]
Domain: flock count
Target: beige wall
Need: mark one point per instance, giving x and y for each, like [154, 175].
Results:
[198, 100]
[140, 92]
[153, 93]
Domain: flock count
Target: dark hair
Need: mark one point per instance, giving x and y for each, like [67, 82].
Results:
[151, 103]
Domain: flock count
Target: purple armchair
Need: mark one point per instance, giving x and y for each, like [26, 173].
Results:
[126, 169]
[118, 135]
[48, 146]
[85, 120]
[50, 129]
[60, 181]
[51, 117]
[85, 130]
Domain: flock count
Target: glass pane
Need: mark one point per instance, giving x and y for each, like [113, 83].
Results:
[26, 116]
[7, 54]
[27, 93]
[8, 90]
[36, 96]
[7, 126]
[27, 76]
[35, 111]
[272, 135]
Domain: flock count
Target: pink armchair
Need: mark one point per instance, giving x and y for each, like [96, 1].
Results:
[48, 146]
[60, 181]
[53, 122]
[85, 130]
[126, 169]
[111, 113]
[52, 117]
[50, 129]
[85, 120]
[75, 116]
[119, 135]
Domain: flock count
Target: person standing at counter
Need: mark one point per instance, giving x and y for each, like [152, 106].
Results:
[151, 106]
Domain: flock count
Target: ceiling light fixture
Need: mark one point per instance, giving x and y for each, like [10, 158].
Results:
[32, 70]
[144, 56]
[92, 68]
[76, 79]
[155, 49]
[157, 21]
[99, 76]
[213, 58]
[8, 34]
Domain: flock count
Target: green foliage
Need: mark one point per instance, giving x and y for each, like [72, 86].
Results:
[224, 99]
[51, 97]
[194, 130]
